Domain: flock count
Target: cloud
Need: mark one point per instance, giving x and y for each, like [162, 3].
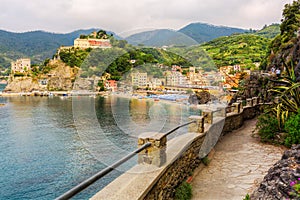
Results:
[126, 15]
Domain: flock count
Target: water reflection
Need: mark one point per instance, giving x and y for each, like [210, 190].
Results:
[49, 145]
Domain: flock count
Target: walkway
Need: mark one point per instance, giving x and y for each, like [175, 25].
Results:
[239, 163]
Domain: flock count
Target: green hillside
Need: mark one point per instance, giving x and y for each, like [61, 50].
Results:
[117, 61]
[243, 49]
[196, 56]
[269, 31]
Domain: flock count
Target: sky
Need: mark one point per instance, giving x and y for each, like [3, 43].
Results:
[126, 16]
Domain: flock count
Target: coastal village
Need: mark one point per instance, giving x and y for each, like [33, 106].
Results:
[109, 117]
[63, 78]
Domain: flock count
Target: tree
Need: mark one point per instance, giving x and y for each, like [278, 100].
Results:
[290, 21]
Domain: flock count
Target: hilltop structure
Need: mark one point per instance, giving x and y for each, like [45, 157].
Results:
[95, 40]
[91, 43]
[98, 39]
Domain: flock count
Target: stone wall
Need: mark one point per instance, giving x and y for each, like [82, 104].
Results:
[185, 164]
[234, 121]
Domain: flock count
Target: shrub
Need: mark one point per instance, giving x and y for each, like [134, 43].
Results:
[183, 192]
[292, 127]
[247, 197]
[267, 126]
[19, 74]
[205, 161]
[296, 189]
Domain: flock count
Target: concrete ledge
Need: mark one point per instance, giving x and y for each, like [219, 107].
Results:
[139, 180]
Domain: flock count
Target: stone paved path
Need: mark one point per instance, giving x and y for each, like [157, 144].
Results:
[239, 163]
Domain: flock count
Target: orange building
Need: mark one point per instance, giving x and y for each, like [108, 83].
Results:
[112, 85]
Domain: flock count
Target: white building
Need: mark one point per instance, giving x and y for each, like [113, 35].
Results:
[21, 65]
[156, 83]
[175, 78]
[139, 79]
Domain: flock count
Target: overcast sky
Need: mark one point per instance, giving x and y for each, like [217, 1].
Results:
[123, 16]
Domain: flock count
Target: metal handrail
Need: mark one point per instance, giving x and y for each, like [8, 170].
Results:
[80, 187]
[178, 127]
[69, 194]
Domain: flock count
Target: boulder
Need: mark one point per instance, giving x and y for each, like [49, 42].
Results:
[277, 184]
[201, 97]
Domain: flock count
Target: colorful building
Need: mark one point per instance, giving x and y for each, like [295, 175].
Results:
[111, 85]
[92, 43]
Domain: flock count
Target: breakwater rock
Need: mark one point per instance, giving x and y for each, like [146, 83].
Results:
[201, 97]
[278, 183]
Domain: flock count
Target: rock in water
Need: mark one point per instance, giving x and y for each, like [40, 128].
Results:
[201, 97]
[277, 184]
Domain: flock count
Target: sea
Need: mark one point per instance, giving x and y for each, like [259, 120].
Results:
[50, 144]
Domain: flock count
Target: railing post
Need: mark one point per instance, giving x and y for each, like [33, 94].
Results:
[197, 127]
[208, 116]
[221, 112]
[239, 100]
[237, 107]
[156, 153]
[261, 101]
[255, 101]
[249, 102]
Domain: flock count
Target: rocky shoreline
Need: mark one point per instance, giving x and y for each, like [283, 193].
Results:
[278, 183]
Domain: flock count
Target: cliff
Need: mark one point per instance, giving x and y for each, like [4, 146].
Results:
[22, 84]
[60, 78]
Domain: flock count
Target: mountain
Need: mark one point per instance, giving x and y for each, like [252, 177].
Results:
[191, 34]
[270, 31]
[160, 37]
[38, 45]
[202, 32]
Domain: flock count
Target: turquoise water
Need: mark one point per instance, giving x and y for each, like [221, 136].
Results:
[46, 146]
[2, 86]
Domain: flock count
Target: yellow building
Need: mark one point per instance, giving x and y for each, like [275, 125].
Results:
[21, 65]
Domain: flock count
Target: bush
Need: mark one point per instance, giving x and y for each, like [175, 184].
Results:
[183, 192]
[205, 161]
[19, 74]
[267, 127]
[292, 127]
[247, 197]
